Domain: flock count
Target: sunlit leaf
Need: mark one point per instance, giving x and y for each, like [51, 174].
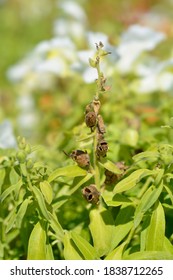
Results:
[21, 212]
[46, 190]
[68, 171]
[41, 202]
[123, 224]
[10, 189]
[147, 200]
[102, 230]
[109, 165]
[117, 253]
[87, 250]
[156, 230]
[37, 243]
[71, 251]
[131, 181]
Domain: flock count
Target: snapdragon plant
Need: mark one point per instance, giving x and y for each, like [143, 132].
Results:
[91, 207]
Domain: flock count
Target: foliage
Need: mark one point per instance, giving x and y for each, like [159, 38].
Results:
[92, 176]
[100, 203]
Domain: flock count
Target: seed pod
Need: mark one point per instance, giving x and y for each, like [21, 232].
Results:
[81, 158]
[96, 106]
[90, 119]
[102, 148]
[111, 178]
[91, 194]
[100, 124]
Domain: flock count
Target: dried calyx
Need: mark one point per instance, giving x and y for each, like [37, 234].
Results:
[91, 194]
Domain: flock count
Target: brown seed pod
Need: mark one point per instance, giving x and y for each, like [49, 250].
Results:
[90, 119]
[111, 178]
[81, 158]
[91, 194]
[100, 124]
[102, 147]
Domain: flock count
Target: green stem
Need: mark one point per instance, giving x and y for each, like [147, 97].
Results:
[95, 162]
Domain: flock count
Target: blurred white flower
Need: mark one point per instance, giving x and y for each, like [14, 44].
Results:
[154, 77]
[49, 57]
[135, 41]
[73, 9]
[7, 138]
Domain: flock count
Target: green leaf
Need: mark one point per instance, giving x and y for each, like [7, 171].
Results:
[71, 251]
[131, 181]
[67, 171]
[21, 212]
[41, 202]
[156, 230]
[49, 252]
[10, 189]
[117, 200]
[37, 243]
[55, 225]
[2, 177]
[117, 253]
[150, 255]
[102, 230]
[87, 250]
[123, 224]
[148, 155]
[14, 177]
[10, 220]
[148, 199]
[109, 165]
[167, 246]
[46, 190]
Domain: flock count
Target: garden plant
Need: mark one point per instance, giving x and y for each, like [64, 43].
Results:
[111, 198]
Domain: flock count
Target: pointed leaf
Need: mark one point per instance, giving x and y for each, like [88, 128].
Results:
[131, 181]
[148, 199]
[55, 225]
[2, 177]
[156, 230]
[46, 190]
[87, 250]
[67, 171]
[117, 253]
[71, 252]
[102, 230]
[21, 212]
[109, 165]
[37, 243]
[41, 202]
[123, 224]
[10, 189]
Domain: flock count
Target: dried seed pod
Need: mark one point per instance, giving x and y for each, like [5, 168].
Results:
[111, 178]
[90, 119]
[81, 158]
[96, 106]
[100, 124]
[91, 194]
[89, 108]
[102, 148]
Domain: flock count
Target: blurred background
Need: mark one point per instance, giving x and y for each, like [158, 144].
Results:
[46, 82]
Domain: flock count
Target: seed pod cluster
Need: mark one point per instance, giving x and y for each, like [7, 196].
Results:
[91, 194]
